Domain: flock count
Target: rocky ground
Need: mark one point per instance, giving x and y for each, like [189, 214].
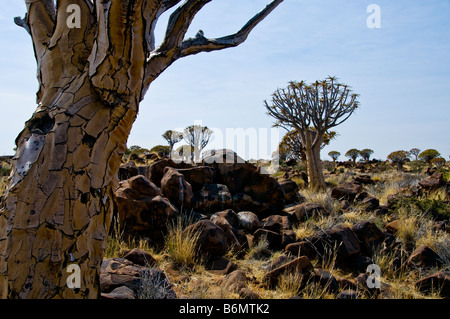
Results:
[224, 230]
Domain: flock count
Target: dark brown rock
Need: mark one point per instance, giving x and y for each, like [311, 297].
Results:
[127, 170]
[248, 221]
[226, 215]
[347, 191]
[300, 264]
[142, 211]
[197, 177]
[424, 257]
[274, 239]
[220, 266]
[433, 182]
[346, 240]
[302, 248]
[325, 279]
[276, 223]
[156, 170]
[120, 272]
[438, 282]
[139, 257]
[370, 203]
[291, 191]
[176, 189]
[119, 293]
[247, 294]
[266, 196]
[363, 180]
[213, 198]
[369, 234]
[235, 281]
[302, 212]
[393, 226]
[212, 240]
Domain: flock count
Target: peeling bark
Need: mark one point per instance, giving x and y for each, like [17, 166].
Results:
[58, 205]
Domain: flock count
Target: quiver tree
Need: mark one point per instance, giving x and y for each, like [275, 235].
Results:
[291, 146]
[353, 154]
[172, 138]
[399, 158]
[312, 109]
[197, 137]
[415, 152]
[366, 153]
[428, 155]
[92, 77]
[334, 155]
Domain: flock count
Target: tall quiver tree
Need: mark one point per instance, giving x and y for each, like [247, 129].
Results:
[197, 137]
[172, 138]
[312, 109]
[58, 204]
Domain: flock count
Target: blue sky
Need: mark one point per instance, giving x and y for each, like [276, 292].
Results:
[401, 72]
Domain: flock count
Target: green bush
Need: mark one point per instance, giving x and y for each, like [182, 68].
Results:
[437, 208]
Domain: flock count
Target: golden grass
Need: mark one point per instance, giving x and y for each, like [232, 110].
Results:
[181, 244]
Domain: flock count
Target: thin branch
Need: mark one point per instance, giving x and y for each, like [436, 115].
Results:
[202, 44]
[22, 23]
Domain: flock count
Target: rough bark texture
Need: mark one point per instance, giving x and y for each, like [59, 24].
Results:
[58, 205]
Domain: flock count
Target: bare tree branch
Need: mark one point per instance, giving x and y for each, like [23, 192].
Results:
[202, 44]
[22, 23]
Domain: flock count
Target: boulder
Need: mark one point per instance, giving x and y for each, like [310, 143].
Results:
[346, 240]
[274, 239]
[227, 215]
[370, 203]
[220, 266]
[197, 177]
[438, 282]
[246, 293]
[139, 257]
[432, 182]
[234, 281]
[325, 279]
[248, 221]
[120, 272]
[156, 170]
[304, 211]
[363, 180]
[300, 264]
[291, 192]
[212, 198]
[424, 257]
[121, 292]
[369, 235]
[393, 227]
[347, 191]
[212, 239]
[176, 189]
[341, 238]
[141, 210]
[276, 223]
[302, 248]
[264, 195]
[127, 170]
[228, 221]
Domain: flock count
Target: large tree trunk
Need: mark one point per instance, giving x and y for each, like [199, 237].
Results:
[314, 164]
[58, 205]
[58, 208]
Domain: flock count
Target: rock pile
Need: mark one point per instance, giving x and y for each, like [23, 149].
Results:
[236, 207]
